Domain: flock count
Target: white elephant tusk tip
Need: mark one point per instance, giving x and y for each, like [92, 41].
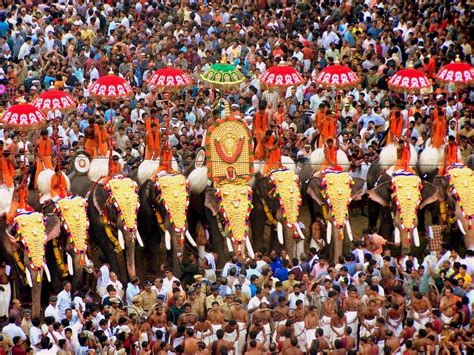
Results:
[190, 238]
[167, 240]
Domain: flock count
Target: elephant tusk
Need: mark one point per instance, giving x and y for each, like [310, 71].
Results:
[329, 232]
[46, 271]
[70, 264]
[167, 240]
[461, 228]
[430, 232]
[28, 277]
[87, 261]
[396, 235]
[207, 233]
[280, 233]
[299, 231]
[248, 245]
[190, 239]
[416, 237]
[229, 245]
[138, 238]
[349, 230]
[120, 239]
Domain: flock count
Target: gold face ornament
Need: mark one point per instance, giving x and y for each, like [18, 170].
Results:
[461, 180]
[73, 212]
[288, 194]
[32, 233]
[123, 191]
[406, 191]
[337, 189]
[173, 190]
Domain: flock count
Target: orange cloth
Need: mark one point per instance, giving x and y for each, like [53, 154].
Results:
[260, 125]
[151, 120]
[101, 138]
[451, 157]
[439, 130]
[19, 201]
[320, 116]
[152, 144]
[165, 160]
[7, 171]
[273, 156]
[44, 158]
[403, 158]
[330, 158]
[89, 147]
[58, 186]
[259, 153]
[327, 129]
[396, 128]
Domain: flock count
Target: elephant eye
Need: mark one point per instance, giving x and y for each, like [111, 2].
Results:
[165, 185]
[415, 185]
[400, 185]
[226, 193]
[23, 223]
[242, 192]
[181, 182]
[280, 179]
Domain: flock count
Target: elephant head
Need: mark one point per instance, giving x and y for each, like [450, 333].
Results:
[113, 208]
[334, 191]
[280, 196]
[33, 231]
[407, 193]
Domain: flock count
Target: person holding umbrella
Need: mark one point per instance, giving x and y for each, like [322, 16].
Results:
[44, 157]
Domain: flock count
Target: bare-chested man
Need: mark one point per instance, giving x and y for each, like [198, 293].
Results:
[311, 323]
[203, 330]
[216, 317]
[293, 349]
[280, 313]
[368, 317]
[420, 310]
[253, 350]
[408, 331]
[329, 309]
[338, 323]
[159, 320]
[379, 332]
[264, 317]
[298, 316]
[280, 330]
[240, 315]
[392, 341]
[231, 332]
[351, 308]
[338, 348]
[190, 343]
[187, 318]
[348, 340]
[447, 305]
[216, 346]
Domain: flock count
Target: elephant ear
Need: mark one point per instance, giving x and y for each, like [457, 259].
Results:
[53, 227]
[381, 194]
[211, 202]
[441, 183]
[357, 189]
[99, 197]
[429, 194]
[314, 190]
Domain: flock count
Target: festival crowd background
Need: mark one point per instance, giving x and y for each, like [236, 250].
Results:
[69, 44]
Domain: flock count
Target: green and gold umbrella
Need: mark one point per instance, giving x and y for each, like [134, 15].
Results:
[223, 75]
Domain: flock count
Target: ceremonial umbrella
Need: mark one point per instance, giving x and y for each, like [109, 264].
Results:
[409, 80]
[169, 80]
[337, 76]
[52, 100]
[223, 75]
[24, 116]
[280, 77]
[110, 88]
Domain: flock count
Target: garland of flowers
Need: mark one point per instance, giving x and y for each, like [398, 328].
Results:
[113, 200]
[397, 201]
[455, 193]
[110, 235]
[226, 218]
[165, 204]
[19, 236]
[277, 195]
[69, 236]
[268, 213]
[59, 259]
[326, 196]
[161, 223]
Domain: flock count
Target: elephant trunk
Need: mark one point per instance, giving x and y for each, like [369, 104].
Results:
[35, 292]
[130, 253]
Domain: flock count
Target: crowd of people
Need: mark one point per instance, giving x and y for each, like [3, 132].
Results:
[369, 302]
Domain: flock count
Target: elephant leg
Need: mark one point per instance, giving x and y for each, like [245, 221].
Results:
[130, 253]
[217, 240]
[257, 223]
[338, 243]
[177, 246]
[151, 234]
[374, 211]
[78, 265]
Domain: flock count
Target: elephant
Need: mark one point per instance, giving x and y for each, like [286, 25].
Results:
[17, 249]
[314, 190]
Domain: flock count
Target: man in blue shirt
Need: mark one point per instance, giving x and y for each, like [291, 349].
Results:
[275, 295]
[371, 116]
[282, 272]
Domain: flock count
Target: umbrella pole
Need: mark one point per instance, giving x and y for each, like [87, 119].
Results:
[24, 156]
[111, 132]
[168, 127]
[280, 123]
[56, 138]
[458, 99]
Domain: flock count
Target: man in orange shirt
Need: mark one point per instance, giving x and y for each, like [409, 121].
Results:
[89, 135]
[58, 186]
[152, 142]
[100, 132]
[260, 127]
[327, 129]
[330, 156]
[439, 127]
[450, 154]
[44, 157]
[7, 170]
[396, 127]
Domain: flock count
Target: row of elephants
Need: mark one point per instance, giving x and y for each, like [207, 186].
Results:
[205, 220]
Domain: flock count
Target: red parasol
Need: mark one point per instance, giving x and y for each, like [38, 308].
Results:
[337, 76]
[110, 88]
[23, 116]
[409, 81]
[280, 77]
[52, 100]
[169, 79]
[457, 73]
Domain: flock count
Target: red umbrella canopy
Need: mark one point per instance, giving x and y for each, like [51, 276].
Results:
[169, 79]
[409, 80]
[110, 87]
[23, 115]
[458, 73]
[280, 76]
[52, 100]
[338, 76]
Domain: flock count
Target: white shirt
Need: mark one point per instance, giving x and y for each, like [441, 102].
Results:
[12, 330]
[51, 311]
[168, 284]
[292, 298]
[255, 302]
[118, 286]
[35, 337]
[64, 302]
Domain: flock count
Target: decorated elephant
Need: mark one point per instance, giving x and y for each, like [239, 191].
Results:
[25, 241]
[164, 200]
